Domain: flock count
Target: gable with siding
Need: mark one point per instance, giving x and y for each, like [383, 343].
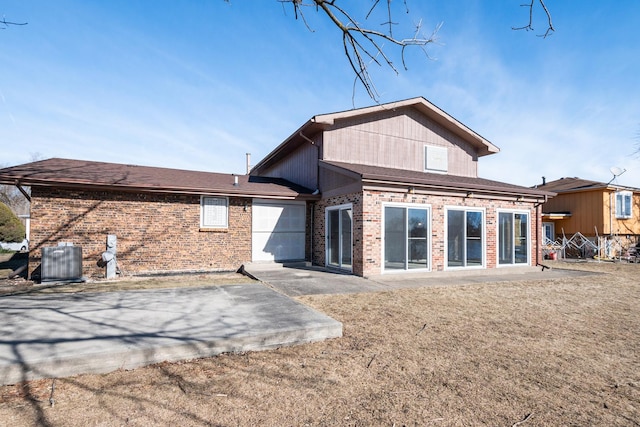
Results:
[396, 139]
[391, 135]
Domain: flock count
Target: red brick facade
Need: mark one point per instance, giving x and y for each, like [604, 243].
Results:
[161, 232]
[368, 226]
[155, 232]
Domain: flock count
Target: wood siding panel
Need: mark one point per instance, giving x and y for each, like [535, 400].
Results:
[300, 166]
[334, 183]
[587, 212]
[396, 139]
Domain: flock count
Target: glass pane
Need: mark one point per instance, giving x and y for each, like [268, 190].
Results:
[334, 237]
[505, 238]
[474, 252]
[394, 238]
[521, 234]
[418, 254]
[455, 238]
[474, 238]
[627, 206]
[346, 237]
[548, 231]
[474, 224]
[417, 223]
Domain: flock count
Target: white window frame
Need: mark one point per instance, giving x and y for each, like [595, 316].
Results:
[222, 220]
[513, 212]
[436, 159]
[426, 207]
[622, 205]
[327, 262]
[446, 237]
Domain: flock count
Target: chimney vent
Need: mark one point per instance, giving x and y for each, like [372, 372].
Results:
[235, 180]
[544, 180]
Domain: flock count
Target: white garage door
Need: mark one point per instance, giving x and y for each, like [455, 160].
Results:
[278, 230]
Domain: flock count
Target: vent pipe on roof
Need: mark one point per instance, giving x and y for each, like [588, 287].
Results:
[248, 163]
[544, 180]
[235, 180]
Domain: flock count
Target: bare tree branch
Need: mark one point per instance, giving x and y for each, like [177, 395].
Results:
[364, 45]
[529, 26]
[4, 24]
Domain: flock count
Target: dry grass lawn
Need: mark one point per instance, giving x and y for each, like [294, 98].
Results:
[557, 352]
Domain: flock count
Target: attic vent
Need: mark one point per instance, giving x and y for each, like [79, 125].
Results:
[435, 159]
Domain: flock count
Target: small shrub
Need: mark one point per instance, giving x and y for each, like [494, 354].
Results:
[11, 229]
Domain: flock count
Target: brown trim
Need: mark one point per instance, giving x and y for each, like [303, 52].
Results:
[214, 230]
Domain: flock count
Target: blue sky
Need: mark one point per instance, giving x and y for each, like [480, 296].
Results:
[197, 84]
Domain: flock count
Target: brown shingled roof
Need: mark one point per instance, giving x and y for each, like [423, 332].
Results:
[564, 185]
[437, 181]
[114, 176]
[571, 184]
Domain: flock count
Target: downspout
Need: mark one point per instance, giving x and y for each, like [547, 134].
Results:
[539, 234]
[610, 214]
[313, 210]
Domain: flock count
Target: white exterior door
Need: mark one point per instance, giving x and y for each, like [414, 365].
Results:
[278, 230]
[548, 232]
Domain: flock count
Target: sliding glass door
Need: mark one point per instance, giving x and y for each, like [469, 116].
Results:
[465, 238]
[406, 238]
[513, 238]
[339, 238]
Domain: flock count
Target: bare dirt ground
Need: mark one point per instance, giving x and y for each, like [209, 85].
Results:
[557, 352]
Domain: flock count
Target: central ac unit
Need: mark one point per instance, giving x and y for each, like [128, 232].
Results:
[61, 263]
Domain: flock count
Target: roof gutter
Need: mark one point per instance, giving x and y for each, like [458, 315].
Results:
[174, 190]
[467, 191]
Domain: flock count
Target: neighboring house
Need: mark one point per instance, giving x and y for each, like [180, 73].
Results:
[591, 208]
[384, 189]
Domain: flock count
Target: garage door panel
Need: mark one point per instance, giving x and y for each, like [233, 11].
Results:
[278, 246]
[278, 231]
[281, 218]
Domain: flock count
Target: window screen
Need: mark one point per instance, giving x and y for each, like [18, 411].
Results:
[213, 212]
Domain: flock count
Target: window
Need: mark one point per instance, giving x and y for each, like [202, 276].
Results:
[435, 159]
[465, 238]
[548, 232]
[513, 238]
[214, 212]
[406, 238]
[623, 204]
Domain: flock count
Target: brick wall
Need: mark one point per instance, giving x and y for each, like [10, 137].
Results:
[156, 232]
[319, 208]
[374, 200]
[367, 226]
